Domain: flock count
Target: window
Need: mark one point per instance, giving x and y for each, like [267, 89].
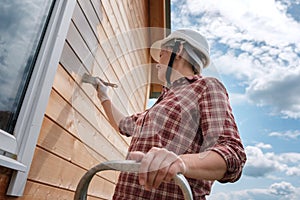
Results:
[22, 28]
[32, 35]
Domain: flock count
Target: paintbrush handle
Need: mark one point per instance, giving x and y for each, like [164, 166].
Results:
[86, 78]
[108, 84]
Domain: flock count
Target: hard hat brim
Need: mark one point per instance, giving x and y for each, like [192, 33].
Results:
[156, 48]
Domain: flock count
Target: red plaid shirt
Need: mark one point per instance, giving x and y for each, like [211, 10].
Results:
[191, 116]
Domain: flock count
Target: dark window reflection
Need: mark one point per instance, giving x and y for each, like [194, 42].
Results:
[22, 27]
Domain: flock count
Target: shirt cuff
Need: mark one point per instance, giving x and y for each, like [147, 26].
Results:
[127, 124]
[123, 127]
[233, 161]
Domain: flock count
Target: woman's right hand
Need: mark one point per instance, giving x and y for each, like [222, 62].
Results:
[102, 91]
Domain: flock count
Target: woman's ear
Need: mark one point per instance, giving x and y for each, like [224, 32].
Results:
[179, 54]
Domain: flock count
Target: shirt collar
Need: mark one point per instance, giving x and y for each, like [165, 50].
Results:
[184, 81]
[179, 82]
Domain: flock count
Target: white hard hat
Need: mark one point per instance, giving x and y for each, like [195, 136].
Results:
[197, 48]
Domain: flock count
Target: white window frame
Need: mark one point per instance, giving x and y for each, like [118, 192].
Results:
[23, 141]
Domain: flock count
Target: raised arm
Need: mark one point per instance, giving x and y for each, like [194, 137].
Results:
[113, 113]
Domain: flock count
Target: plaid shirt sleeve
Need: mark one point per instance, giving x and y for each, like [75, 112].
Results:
[220, 132]
[128, 124]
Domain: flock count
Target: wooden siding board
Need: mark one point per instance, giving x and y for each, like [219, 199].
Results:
[65, 145]
[87, 103]
[124, 31]
[112, 26]
[116, 60]
[70, 59]
[95, 23]
[65, 175]
[61, 112]
[100, 59]
[89, 13]
[79, 46]
[98, 8]
[135, 49]
[63, 85]
[86, 31]
[116, 94]
[37, 191]
[129, 10]
[89, 63]
[135, 42]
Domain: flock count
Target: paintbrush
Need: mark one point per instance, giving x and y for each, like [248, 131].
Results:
[86, 78]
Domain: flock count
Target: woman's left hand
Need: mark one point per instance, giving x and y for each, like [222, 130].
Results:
[157, 165]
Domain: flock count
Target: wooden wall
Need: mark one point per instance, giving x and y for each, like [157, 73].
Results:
[75, 134]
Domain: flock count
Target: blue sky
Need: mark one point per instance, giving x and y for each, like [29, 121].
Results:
[255, 47]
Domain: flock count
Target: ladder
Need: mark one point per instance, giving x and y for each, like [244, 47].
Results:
[123, 166]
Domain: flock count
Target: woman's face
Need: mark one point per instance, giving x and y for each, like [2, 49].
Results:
[161, 67]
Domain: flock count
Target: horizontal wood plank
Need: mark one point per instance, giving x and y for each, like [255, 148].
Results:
[61, 143]
[38, 191]
[110, 27]
[54, 171]
[62, 112]
[87, 60]
[84, 99]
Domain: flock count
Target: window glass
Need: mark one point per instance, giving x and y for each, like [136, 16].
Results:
[22, 27]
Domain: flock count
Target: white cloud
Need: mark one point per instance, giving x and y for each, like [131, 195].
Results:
[257, 42]
[262, 145]
[237, 99]
[276, 191]
[279, 88]
[254, 17]
[261, 164]
[294, 171]
[291, 157]
[286, 135]
[282, 189]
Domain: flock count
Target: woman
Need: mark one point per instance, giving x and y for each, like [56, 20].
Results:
[189, 130]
